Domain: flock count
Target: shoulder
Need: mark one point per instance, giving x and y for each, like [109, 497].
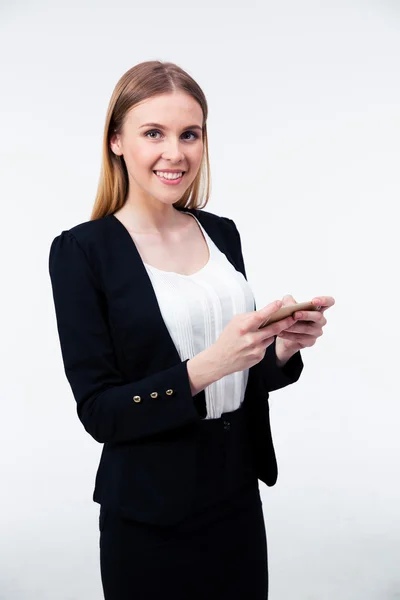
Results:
[79, 243]
[87, 233]
[208, 217]
[227, 228]
[219, 223]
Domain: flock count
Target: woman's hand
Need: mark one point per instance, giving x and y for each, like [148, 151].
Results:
[305, 331]
[242, 344]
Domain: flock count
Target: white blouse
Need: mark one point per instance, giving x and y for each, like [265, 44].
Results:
[196, 308]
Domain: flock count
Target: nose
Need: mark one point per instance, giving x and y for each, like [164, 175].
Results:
[173, 152]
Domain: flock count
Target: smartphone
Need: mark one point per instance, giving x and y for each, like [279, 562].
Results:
[287, 311]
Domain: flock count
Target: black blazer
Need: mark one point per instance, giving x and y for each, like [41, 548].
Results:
[131, 387]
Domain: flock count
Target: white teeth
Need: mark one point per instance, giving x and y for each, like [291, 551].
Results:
[169, 175]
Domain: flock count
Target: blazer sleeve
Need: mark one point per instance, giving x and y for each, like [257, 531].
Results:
[274, 377]
[105, 402]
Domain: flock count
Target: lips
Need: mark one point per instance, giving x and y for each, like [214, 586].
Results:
[161, 171]
[172, 181]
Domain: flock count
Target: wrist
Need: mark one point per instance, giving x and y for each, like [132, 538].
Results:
[282, 356]
[203, 370]
[282, 362]
[212, 362]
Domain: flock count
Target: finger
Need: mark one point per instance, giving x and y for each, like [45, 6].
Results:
[310, 315]
[276, 328]
[258, 317]
[283, 324]
[305, 328]
[289, 335]
[288, 300]
[302, 339]
[324, 301]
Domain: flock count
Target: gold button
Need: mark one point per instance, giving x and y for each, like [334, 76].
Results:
[169, 392]
[137, 399]
[154, 394]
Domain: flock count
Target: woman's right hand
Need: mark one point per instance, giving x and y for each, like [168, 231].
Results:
[242, 344]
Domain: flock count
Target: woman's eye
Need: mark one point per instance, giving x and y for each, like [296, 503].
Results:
[153, 131]
[195, 136]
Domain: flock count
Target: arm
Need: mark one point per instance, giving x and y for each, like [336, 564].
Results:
[105, 401]
[274, 376]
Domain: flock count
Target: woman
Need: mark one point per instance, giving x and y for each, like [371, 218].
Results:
[160, 343]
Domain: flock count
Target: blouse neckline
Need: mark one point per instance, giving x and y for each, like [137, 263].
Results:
[152, 268]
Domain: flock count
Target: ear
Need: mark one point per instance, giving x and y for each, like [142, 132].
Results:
[115, 144]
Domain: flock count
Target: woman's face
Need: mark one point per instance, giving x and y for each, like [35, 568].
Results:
[175, 143]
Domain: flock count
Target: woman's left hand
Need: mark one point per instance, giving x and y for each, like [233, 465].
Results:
[307, 327]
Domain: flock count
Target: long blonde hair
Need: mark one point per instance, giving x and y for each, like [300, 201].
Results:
[143, 81]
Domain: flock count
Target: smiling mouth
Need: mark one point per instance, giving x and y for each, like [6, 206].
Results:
[171, 180]
[183, 172]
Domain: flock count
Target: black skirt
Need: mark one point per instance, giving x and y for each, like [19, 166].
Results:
[218, 552]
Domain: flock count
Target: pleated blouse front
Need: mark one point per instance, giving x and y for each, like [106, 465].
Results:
[196, 308]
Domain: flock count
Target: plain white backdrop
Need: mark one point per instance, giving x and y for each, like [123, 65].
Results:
[304, 131]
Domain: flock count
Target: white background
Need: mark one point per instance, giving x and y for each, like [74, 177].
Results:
[304, 131]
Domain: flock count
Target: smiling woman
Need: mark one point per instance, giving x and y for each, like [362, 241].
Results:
[144, 292]
[167, 152]
[148, 134]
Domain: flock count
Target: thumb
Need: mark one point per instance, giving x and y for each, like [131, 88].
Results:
[259, 316]
[288, 300]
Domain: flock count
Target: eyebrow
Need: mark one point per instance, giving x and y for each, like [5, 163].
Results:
[162, 127]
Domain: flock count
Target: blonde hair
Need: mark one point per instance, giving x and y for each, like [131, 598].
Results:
[143, 81]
